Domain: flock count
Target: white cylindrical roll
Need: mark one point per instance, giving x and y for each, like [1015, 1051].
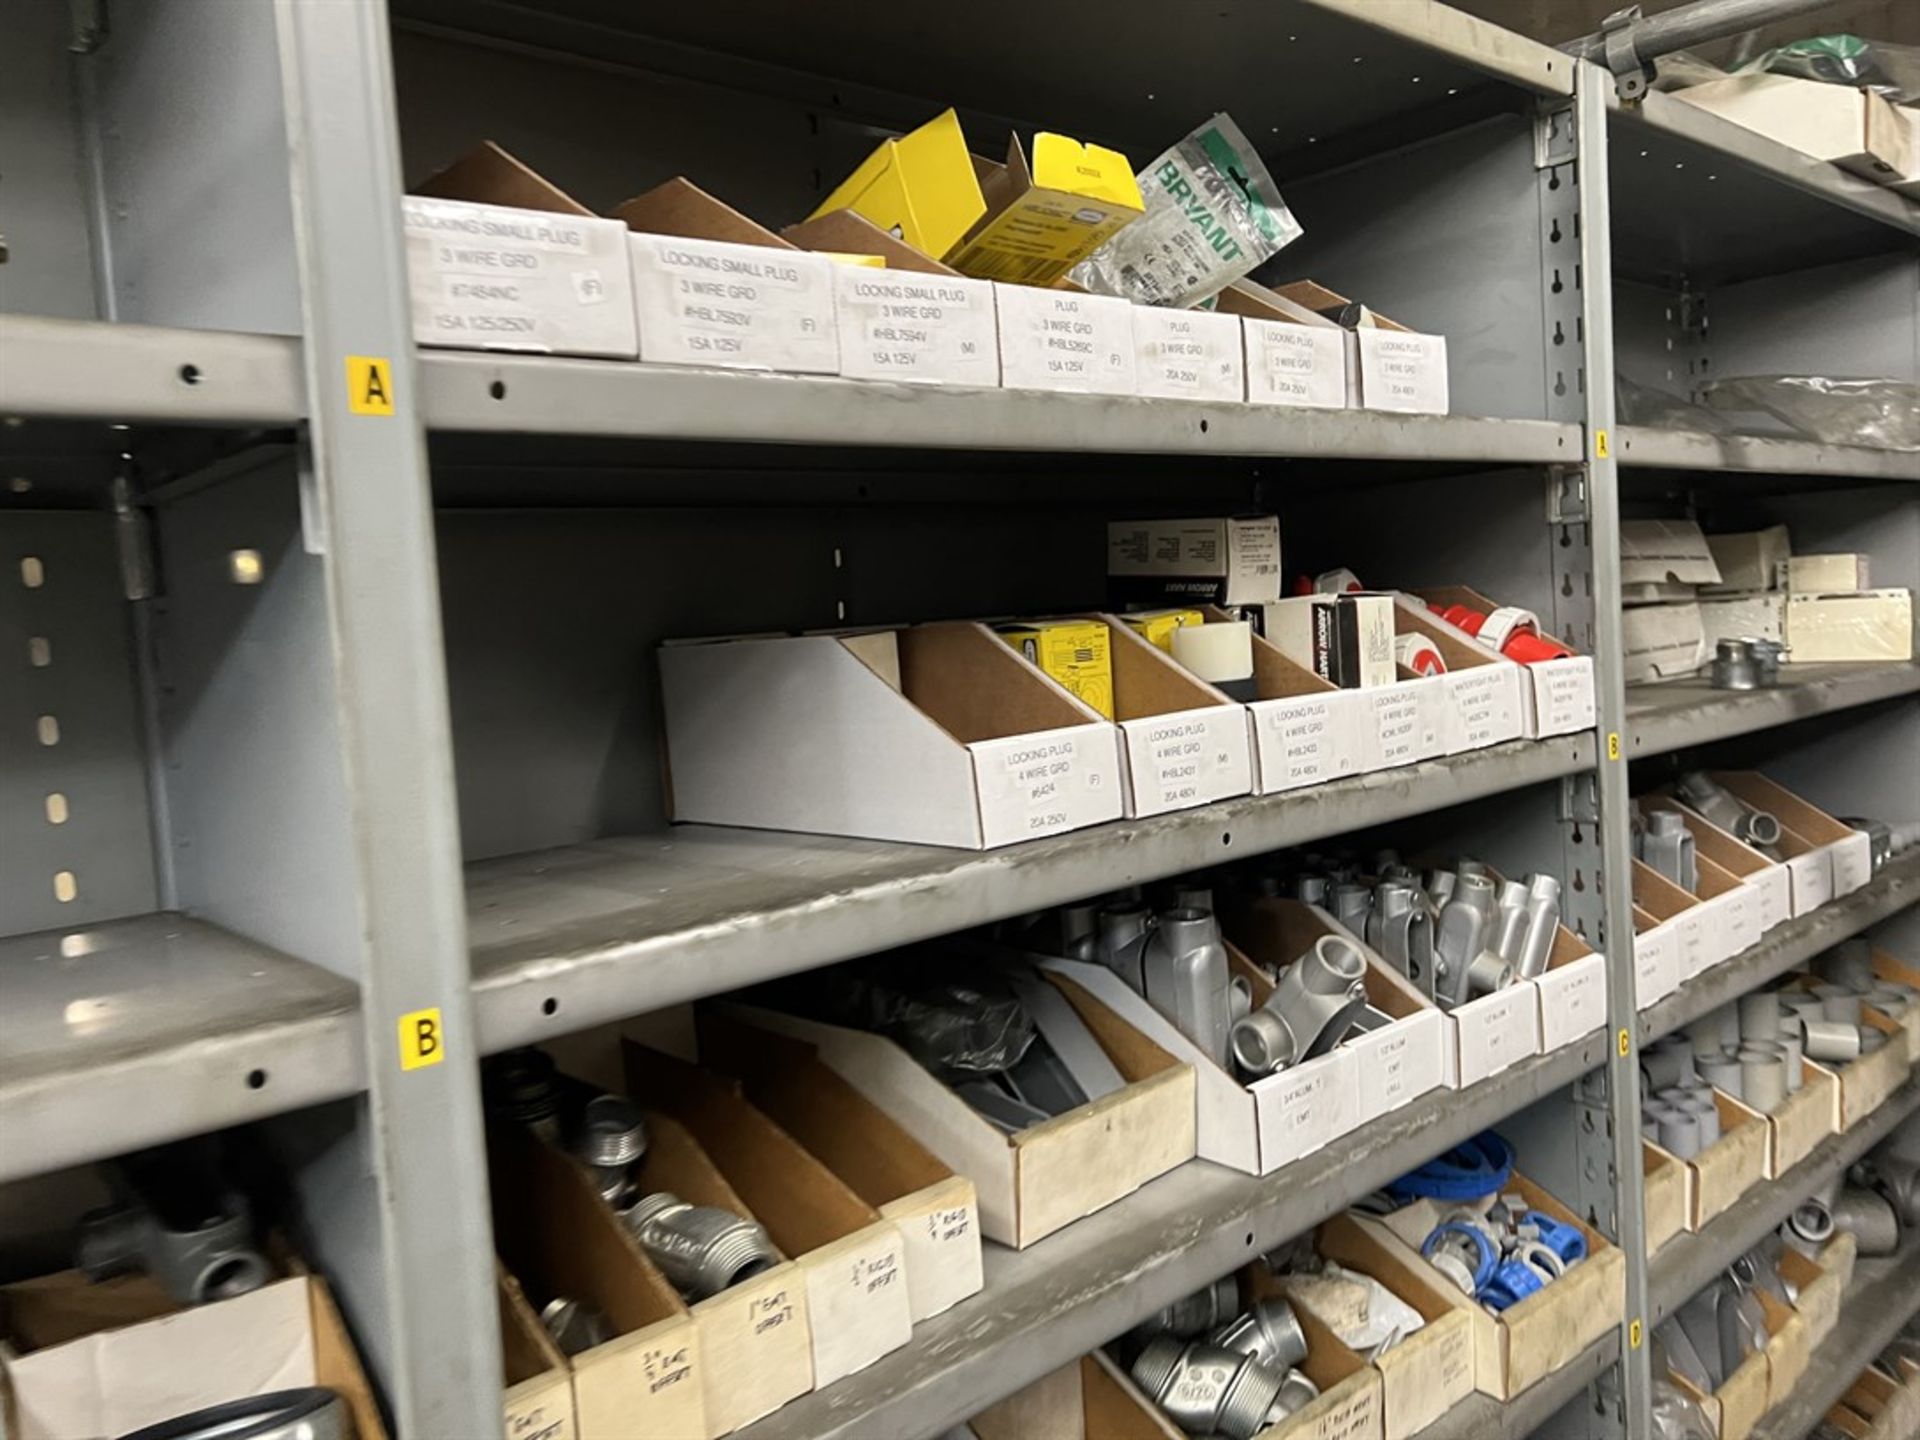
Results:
[1220, 650]
[1419, 654]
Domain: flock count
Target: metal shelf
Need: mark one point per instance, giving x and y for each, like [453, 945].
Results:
[552, 396]
[1044, 1306]
[138, 374]
[139, 1031]
[1652, 448]
[1884, 1296]
[1674, 714]
[1786, 946]
[1679, 1270]
[1481, 1417]
[590, 933]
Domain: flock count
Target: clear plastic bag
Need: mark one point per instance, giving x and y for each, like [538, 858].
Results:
[1880, 413]
[1213, 213]
[1677, 1415]
[1643, 405]
[1892, 70]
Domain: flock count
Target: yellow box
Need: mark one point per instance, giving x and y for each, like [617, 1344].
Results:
[1158, 625]
[868, 262]
[1077, 653]
[922, 187]
[1042, 221]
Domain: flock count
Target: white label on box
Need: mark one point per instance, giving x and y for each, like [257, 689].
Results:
[1852, 863]
[1398, 1063]
[1772, 896]
[1573, 1000]
[1404, 722]
[1304, 741]
[1696, 930]
[1303, 365]
[488, 277]
[857, 1306]
[1563, 695]
[709, 302]
[1812, 877]
[1189, 758]
[1484, 705]
[1046, 782]
[931, 329]
[1188, 354]
[1497, 1030]
[1742, 919]
[1055, 340]
[1302, 1109]
[1403, 372]
[1656, 965]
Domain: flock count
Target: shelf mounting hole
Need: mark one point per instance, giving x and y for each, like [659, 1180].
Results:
[39, 651]
[549, 1006]
[244, 567]
[1203, 427]
[48, 729]
[498, 389]
[33, 574]
[256, 1079]
[189, 374]
[66, 888]
[1226, 837]
[57, 811]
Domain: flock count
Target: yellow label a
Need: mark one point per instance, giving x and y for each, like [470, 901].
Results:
[1600, 451]
[369, 385]
[421, 1041]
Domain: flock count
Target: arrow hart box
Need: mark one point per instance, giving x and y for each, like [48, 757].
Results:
[935, 734]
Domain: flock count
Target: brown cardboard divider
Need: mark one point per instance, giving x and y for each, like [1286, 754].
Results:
[1349, 1403]
[848, 232]
[489, 175]
[977, 687]
[681, 208]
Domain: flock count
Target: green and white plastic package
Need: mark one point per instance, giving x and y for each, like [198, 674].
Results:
[1212, 214]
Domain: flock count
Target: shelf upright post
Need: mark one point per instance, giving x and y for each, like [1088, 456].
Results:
[1591, 86]
[369, 508]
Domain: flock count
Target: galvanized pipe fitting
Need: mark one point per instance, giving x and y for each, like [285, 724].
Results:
[1269, 1332]
[1543, 926]
[1466, 925]
[610, 1140]
[1208, 1308]
[1830, 1040]
[216, 1260]
[701, 1249]
[1723, 809]
[1869, 1218]
[1309, 1011]
[1206, 1390]
[1186, 977]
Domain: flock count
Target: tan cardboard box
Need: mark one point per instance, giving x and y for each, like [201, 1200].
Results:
[1772, 886]
[1049, 1175]
[1678, 915]
[1732, 1165]
[1889, 967]
[1854, 129]
[558, 1237]
[1669, 1183]
[539, 1399]
[1840, 629]
[1485, 691]
[1546, 1330]
[1306, 730]
[1429, 1372]
[1819, 1285]
[1849, 858]
[1390, 366]
[852, 1262]
[936, 1210]
[1809, 1115]
[1088, 1400]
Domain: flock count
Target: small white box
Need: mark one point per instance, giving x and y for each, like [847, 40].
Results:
[1572, 991]
[1672, 552]
[1346, 639]
[1057, 340]
[805, 733]
[489, 277]
[1557, 696]
[1182, 742]
[1495, 1031]
[1656, 959]
[1678, 915]
[1484, 689]
[925, 329]
[1733, 907]
[1402, 371]
[1751, 560]
[1837, 574]
[1844, 863]
[1299, 365]
[1871, 625]
[1662, 642]
[1188, 354]
[1403, 723]
[1744, 617]
[750, 307]
[1218, 560]
[1305, 730]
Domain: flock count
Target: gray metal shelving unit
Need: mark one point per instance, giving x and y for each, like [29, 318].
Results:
[1884, 1296]
[353, 709]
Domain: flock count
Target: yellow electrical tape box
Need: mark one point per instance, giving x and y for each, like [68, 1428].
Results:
[1077, 653]
[868, 262]
[1159, 625]
[920, 187]
[1041, 222]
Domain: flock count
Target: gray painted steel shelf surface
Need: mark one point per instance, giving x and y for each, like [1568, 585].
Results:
[1687, 1262]
[1078, 1289]
[1653, 448]
[545, 395]
[605, 928]
[1481, 1417]
[1787, 945]
[1884, 1295]
[136, 1031]
[87, 370]
[1676, 713]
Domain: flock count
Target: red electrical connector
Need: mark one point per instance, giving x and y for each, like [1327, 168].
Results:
[1514, 633]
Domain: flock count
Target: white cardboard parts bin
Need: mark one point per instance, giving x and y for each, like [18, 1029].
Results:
[1182, 742]
[1662, 642]
[977, 748]
[1305, 730]
[498, 259]
[1484, 689]
[1293, 355]
[1768, 879]
[713, 288]
[1060, 340]
[1558, 695]
[1049, 1175]
[1394, 368]
[1188, 354]
[1403, 723]
[1868, 626]
[1679, 917]
[1847, 850]
[916, 320]
[1656, 958]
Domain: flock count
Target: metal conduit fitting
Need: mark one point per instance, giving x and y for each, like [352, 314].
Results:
[1543, 926]
[1185, 976]
[521, 1086]
[1668, 846]
[1400, 928]
[1510, 925]
[1830, 1040]
[610, 1140]
[213, 1260]
[1465, 925]
[701, 1249]
[1869, 1218]
[1208, 1308]
[575, 1326]
[1723, 809]
[1488, 973]
[1296, 1393]
[1309, 1012]
[1269, 1332]
[1351, 902]
[1123, 940]
[1206, 1390]
[312, 1412]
